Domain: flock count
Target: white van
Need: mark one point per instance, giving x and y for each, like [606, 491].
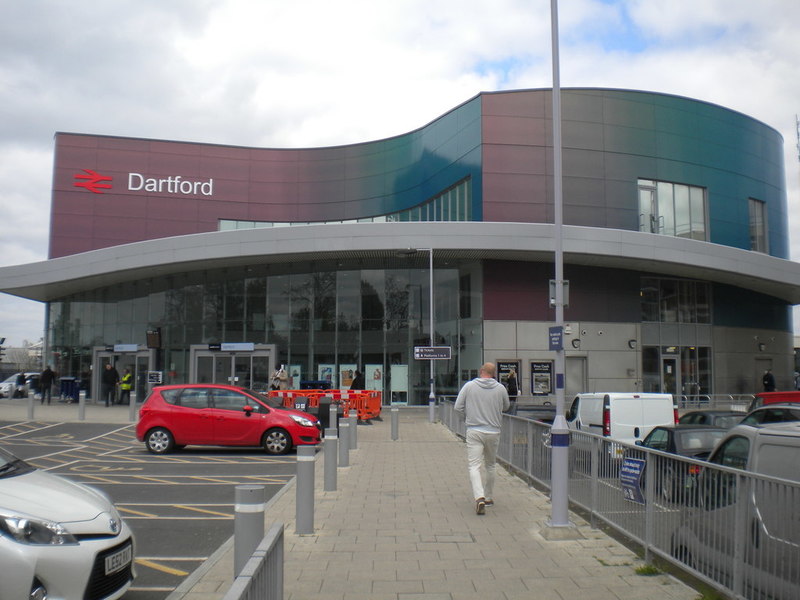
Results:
[621, 416]
[761, 556]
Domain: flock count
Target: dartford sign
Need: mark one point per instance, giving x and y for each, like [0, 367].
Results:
[171, 185]
[137, 182]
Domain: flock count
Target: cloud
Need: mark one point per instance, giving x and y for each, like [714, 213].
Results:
[316, 73]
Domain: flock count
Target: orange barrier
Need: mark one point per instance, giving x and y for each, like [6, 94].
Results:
[366, 403]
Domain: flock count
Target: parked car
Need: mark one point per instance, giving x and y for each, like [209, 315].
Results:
[748, 526]
[712, 418]
[676, 480]
[772, 413]
[783, 397]
[10, 389]
[175, 416]
[59, 538]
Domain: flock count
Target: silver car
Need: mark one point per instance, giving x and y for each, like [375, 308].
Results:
[58, 538]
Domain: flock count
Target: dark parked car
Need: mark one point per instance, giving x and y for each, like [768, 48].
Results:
[174, 416]
[772, 413]
[675, 480]
[713, 418]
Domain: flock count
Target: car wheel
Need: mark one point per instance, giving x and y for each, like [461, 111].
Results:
[159, 441]
[277, 441]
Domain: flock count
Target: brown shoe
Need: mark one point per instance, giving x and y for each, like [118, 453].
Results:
[489, 502]
[480, 506]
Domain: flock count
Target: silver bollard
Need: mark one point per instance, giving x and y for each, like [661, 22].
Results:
[353, 420]
[395, 426]
[304, 499]
[30, 404]
[333, 416]
[331, 451]
[248, 528]
[344, 446]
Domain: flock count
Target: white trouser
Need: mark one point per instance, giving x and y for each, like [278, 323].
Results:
[482, 461]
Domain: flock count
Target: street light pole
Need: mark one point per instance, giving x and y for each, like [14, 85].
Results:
[559, 432]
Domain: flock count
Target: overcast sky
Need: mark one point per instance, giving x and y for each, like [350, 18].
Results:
[314, 73]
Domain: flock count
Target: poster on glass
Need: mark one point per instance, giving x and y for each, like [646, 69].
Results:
[542, 378]
[346, 375]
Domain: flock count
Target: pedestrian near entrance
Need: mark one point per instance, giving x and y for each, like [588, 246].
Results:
[125, 386]
[359, 381]
[46, 383]
[513, 390]
[768, 381]
[482, 401]
[108, 384]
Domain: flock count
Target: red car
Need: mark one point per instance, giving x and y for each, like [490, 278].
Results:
[174, 416]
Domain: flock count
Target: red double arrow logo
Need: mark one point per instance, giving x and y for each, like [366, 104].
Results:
[93, 181]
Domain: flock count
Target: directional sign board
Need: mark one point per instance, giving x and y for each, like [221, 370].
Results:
[433, 352]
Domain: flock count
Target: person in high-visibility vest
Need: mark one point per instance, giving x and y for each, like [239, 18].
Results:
[125, 386]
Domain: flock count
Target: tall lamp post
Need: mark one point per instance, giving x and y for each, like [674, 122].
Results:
[559, 432]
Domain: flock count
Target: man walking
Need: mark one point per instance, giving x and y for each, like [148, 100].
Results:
[482, 401]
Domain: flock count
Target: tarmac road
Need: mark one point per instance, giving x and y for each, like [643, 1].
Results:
[180, 506]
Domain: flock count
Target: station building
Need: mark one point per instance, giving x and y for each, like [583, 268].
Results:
[198, 262]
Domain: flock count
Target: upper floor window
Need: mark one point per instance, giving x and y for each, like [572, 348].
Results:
[672, 209]
[758, 225]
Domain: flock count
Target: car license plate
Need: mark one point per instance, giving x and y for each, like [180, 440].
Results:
[119, 560]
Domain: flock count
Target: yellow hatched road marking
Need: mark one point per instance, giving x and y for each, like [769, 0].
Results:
[202, 510]
[197, 477]
[162, 568]
[157, 480]
[128, 511]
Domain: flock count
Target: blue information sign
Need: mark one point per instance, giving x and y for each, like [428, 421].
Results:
[556, 338]
[630, 478]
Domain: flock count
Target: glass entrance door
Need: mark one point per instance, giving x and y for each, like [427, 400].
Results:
[669, 375]
[136, 363]
[241, 368]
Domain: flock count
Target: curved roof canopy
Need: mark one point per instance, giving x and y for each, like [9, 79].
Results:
[612, 248]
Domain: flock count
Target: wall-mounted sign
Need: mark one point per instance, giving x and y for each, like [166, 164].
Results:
[238, 347]
[125, 347]
[137, 182]
[556, 338]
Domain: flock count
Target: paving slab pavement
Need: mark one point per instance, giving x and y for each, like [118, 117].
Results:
[401, 525]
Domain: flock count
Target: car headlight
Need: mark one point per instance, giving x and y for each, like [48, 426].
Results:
[36, 532]
[302, 421]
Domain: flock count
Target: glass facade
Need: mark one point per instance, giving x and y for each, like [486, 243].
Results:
[675, 301]
[454, 204]
[671, 367]
[321, 318]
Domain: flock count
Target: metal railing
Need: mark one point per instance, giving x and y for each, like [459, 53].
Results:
[262, 575]
[738, 532]
[715, 401]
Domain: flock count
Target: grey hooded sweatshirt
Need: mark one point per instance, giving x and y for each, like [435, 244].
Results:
[482, 402]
